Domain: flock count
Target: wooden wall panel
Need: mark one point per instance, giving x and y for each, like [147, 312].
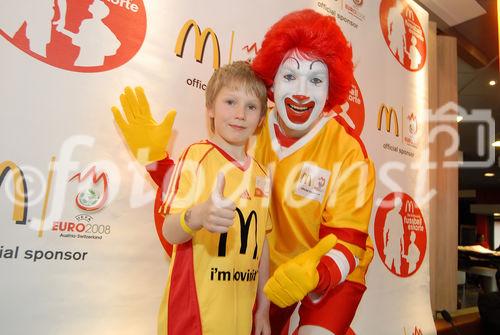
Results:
[443, 225]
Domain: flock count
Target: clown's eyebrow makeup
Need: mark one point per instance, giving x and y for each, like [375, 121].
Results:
[317, 60]
[295, 59]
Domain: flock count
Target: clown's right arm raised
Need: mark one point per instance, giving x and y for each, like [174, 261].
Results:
[146, 139]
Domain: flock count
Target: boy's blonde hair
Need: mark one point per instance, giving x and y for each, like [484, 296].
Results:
[233, 75]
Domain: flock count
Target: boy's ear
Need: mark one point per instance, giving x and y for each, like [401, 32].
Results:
[210, 119]
[210, 112]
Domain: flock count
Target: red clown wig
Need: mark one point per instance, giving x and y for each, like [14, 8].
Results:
[315, 36]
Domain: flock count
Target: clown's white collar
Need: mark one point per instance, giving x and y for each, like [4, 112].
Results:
[284, 152]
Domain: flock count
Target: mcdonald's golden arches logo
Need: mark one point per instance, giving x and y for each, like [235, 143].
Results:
[306, 178]
[388, 112]
[20, 210]
[410, 207]
[200, 39]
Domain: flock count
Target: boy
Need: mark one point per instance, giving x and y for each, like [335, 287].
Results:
[217, 216]
[306, 62]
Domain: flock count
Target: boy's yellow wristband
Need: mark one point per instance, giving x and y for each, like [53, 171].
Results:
[184, 225]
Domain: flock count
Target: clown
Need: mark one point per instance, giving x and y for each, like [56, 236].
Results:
[323, 180]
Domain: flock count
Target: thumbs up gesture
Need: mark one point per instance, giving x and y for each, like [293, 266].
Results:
[294, 279]
[217, 213]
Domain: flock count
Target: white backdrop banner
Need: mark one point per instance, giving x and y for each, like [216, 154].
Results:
[79, 253]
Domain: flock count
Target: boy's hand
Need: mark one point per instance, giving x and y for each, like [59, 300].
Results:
[294, 279]
[261, 322]
[144, 136]
[217, 213]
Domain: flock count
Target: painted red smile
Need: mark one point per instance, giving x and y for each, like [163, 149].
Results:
[298, 113]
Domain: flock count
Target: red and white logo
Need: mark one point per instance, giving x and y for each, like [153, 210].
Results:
[75, 35]
[403, 33]
[411, 135]
[400, 234]
[92, 190]
[262, 187]
[417, 331]
[249, 51]
[312, 182]
[353, 110]
[412, 124]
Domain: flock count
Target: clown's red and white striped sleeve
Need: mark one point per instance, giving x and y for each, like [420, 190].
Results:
[334, 267]
[338, 263]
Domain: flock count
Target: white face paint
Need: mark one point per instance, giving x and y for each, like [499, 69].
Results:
[300, 91]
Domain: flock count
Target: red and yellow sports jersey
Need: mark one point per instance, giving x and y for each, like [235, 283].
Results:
[322, 183]
[213, 277]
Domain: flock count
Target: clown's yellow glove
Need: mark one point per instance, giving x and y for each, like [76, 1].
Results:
[144, 136]
[294, 279]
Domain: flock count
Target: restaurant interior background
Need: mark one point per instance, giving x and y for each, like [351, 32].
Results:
[474, 25]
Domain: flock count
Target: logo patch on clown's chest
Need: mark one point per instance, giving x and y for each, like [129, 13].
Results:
[312, 182]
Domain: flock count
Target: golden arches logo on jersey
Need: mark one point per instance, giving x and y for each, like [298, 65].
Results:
[305, 177]
[390, 114]
[245, 224]
[200, 40]
[312, 182]
[20, 210]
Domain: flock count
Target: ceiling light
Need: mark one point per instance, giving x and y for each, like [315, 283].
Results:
[496, 144]
[489, 174]
[496, 214]
[459, 118]
[492, 83]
